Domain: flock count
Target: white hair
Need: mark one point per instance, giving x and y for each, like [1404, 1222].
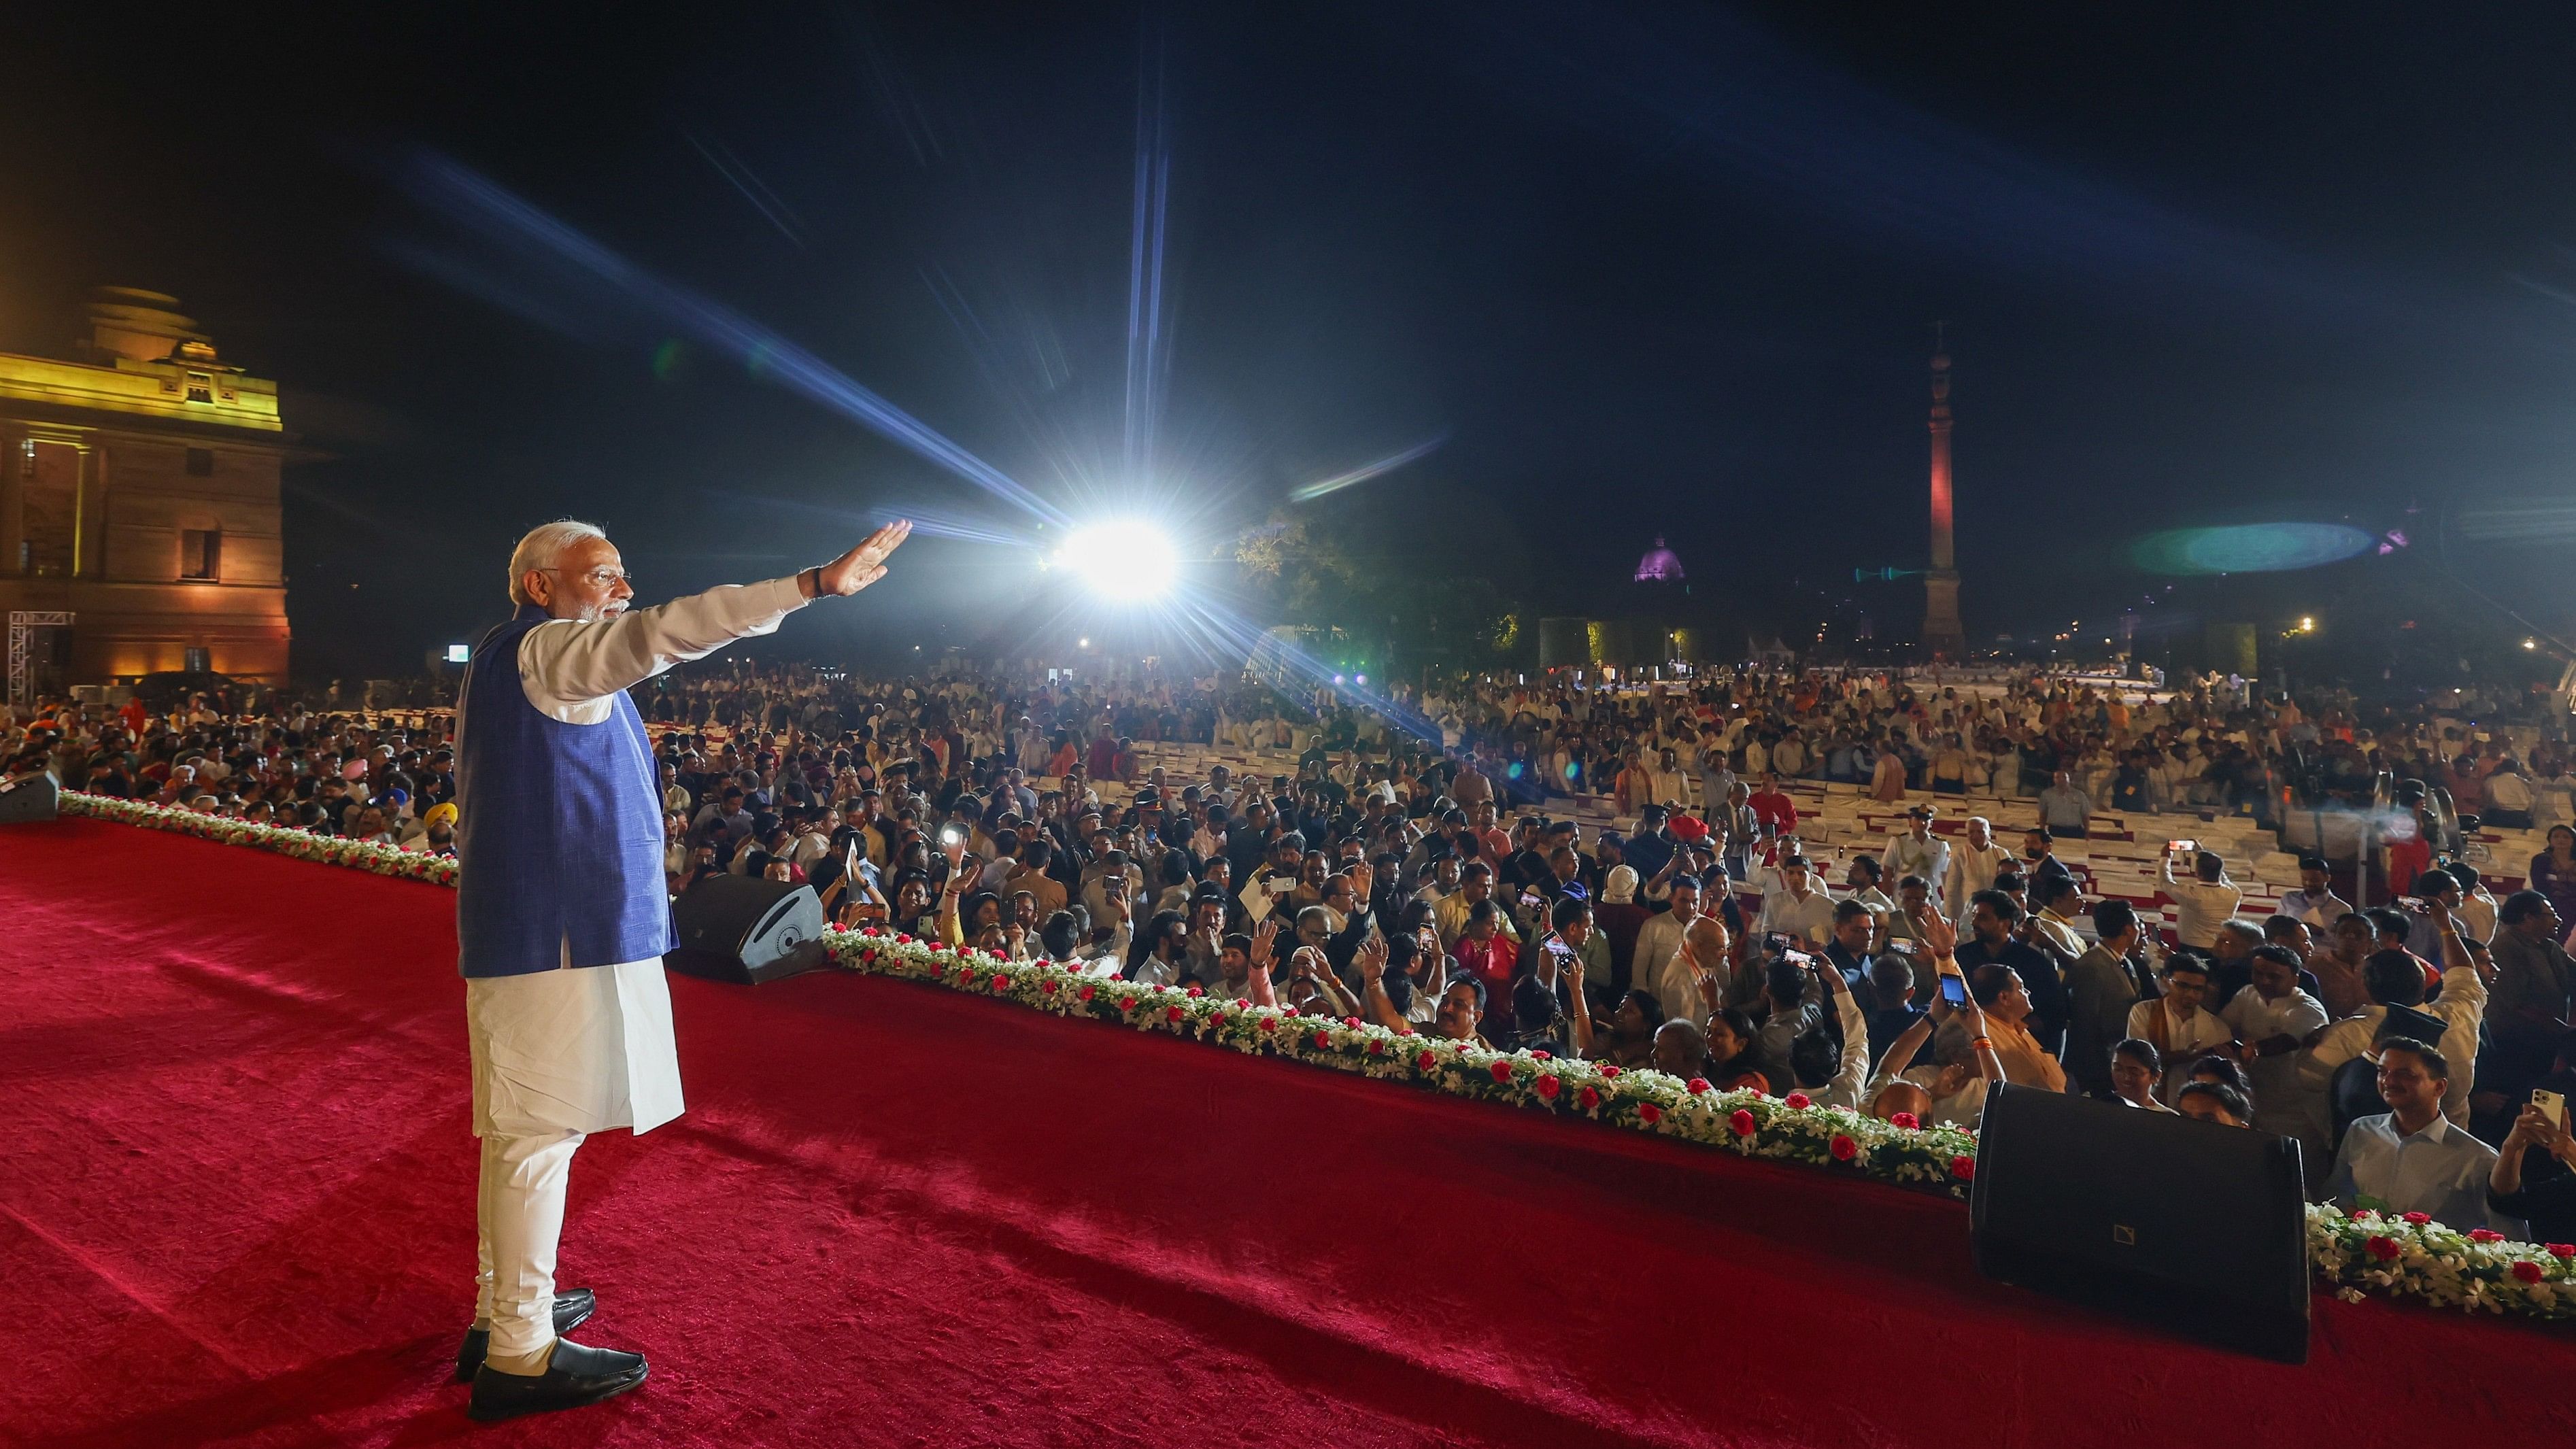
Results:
[542, 546]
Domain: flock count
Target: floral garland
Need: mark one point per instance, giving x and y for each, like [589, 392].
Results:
[2360, 1252]
[2410, 1255]
[1784, 1129]
[325, 849]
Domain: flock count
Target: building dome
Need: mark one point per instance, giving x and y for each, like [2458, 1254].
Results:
[143, 326]
[1660, 566]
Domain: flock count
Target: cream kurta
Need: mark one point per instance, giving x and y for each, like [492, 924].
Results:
[591, 1048]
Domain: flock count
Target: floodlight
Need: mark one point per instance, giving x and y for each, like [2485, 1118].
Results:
[1126, 559]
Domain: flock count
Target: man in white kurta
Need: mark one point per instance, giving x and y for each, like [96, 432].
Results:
[559, 1054]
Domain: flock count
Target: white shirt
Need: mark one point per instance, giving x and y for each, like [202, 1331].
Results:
[588, 1049]
[2182, 1036]
[1657, 939]
[2441, 1170]
[1928, 858]
[1971, 870]
[1809, 921]
[2200, 907]
[2275, 1079]
[2462, 1007]
[2321, 910]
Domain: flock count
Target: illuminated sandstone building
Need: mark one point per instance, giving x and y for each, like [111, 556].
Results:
[139, 517]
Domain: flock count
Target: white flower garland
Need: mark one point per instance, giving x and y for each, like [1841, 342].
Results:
[325, 849]
[2410, 1255]
[2360, 1252]
[1750, 1124]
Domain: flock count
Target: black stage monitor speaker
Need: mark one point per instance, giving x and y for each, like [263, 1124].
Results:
[2197, 1228]
[24, 802]
[746, 930]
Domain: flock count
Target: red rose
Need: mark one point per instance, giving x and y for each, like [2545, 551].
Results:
[1242, 1003]
[1047, 986]
[1352, 1022]
[2562, 1250]
[1548, 1087]
[1085, 993]
[868, 957]
[1171, 1013]
[935, 969]
[901, 939]
[1267, 1024]
[2419, 1219]
[867, 930]
[1377, 1048]
[2526, 1271]
[2381, 1248]
[1964, 1168]
[1126, 1003]
[1502, 1071]
[1906, 1120]
[1649, 1113]
[1587, 1099]
[1542, 1056]
[2485, 1235]
[1194, 991]
[1608, 1072]
[1424, 1062]
[1843, 1148]
[1696, 1085]
[2357, 1214]
[1000, 981]
[1742, 1122]
[1799, 1099]
[1323, 1041]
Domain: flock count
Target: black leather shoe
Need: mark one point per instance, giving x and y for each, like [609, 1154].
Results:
[572, 1309]
[575, 1376]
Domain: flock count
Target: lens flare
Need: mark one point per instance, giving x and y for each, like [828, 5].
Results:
[1361, 474]
[2252, 548]
[1124, 560]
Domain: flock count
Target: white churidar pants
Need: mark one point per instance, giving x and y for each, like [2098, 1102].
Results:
[557, 1055]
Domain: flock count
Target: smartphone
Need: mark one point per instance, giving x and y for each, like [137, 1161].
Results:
[1901, 948]
[1799, 959]
[2552, 1104]
[952, 836]
[2411, 903]
[1954, 990]
[1556, 947]
[1776, 941]
[2182, 847]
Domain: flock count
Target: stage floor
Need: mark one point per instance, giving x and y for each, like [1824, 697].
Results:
[236, 1207]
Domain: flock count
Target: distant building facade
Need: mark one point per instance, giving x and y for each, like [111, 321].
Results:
[1648, 624]
[140, 524]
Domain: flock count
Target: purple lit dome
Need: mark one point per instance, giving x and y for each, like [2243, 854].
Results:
[1660, 566]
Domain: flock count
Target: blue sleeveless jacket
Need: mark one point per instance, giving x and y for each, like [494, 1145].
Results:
[558, 827]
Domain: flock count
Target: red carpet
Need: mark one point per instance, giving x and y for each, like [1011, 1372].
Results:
[237, 1208]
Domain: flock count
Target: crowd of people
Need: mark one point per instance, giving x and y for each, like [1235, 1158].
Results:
[1413, 861]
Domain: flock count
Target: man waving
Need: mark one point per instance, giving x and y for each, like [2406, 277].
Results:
[562, 917]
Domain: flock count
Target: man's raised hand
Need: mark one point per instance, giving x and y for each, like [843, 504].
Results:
[863, 565]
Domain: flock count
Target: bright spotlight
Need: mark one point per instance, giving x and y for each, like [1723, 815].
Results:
[1124, 559]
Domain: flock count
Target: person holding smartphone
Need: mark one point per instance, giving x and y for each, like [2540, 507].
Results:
[2541, 1189]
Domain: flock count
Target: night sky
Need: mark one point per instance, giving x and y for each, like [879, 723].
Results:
[1650, 270]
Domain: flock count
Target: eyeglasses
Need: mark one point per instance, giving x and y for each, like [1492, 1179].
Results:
[602, 578]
